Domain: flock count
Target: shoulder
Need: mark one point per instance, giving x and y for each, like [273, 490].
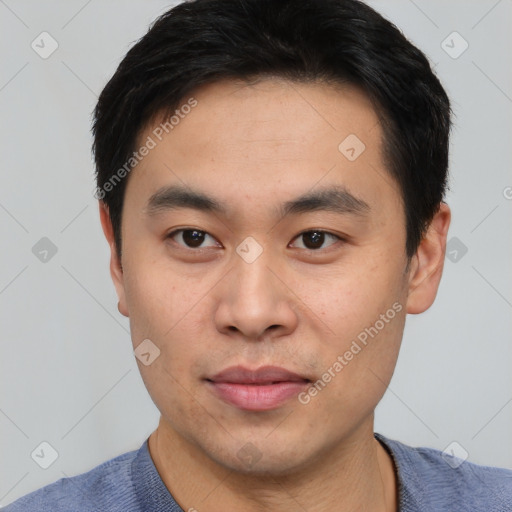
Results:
[433, 480]
[108, 486]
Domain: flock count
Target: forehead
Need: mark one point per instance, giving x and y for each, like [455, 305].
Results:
[281, 110]
[242, 140]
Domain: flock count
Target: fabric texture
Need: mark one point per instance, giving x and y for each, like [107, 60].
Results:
[428, 480]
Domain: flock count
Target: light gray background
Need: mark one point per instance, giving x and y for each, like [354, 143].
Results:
[67, 372]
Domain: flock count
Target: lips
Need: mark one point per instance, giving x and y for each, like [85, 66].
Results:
[263, 375]
[262, 389]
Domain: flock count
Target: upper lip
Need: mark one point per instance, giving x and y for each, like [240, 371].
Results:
[262, 375]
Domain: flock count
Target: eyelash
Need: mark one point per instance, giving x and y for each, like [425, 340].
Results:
[198, 249]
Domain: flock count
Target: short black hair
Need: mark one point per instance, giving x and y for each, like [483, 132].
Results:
[331, 41]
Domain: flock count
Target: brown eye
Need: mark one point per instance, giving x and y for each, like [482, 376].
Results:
[191, 238]
[315, 239]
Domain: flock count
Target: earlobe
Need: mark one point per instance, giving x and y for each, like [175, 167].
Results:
[427, 264]
[116, 270]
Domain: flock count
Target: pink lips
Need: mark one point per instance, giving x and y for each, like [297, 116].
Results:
[262, 389]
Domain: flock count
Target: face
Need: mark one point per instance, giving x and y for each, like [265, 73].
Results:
[264, 255]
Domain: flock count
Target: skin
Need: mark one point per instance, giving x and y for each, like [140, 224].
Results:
[254, 147]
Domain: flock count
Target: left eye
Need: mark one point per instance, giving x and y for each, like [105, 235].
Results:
[314, 239]
[191, 238]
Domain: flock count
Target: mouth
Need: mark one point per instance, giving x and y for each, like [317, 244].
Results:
[262, 389]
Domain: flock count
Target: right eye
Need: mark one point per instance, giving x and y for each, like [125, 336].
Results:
[191, 238]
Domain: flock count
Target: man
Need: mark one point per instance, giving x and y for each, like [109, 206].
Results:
[270, 180]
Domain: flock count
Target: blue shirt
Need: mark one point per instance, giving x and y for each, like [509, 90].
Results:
[427, 481]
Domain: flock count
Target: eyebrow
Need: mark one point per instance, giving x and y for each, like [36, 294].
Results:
[335, 199]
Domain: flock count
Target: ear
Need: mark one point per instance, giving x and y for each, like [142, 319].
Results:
[426, 266]
[116, 269]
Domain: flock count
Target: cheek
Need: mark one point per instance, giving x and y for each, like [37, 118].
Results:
[348, 299]
[158, 298]
[167, 308]
[365, 315]
[355, 373]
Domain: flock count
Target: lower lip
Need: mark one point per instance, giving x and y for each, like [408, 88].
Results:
[253, 397]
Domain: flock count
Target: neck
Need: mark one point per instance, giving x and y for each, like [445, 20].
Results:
[357, 474]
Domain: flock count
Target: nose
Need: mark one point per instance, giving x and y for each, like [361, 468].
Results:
[254, 300]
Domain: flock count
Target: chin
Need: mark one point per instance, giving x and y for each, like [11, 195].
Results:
[262, 458]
